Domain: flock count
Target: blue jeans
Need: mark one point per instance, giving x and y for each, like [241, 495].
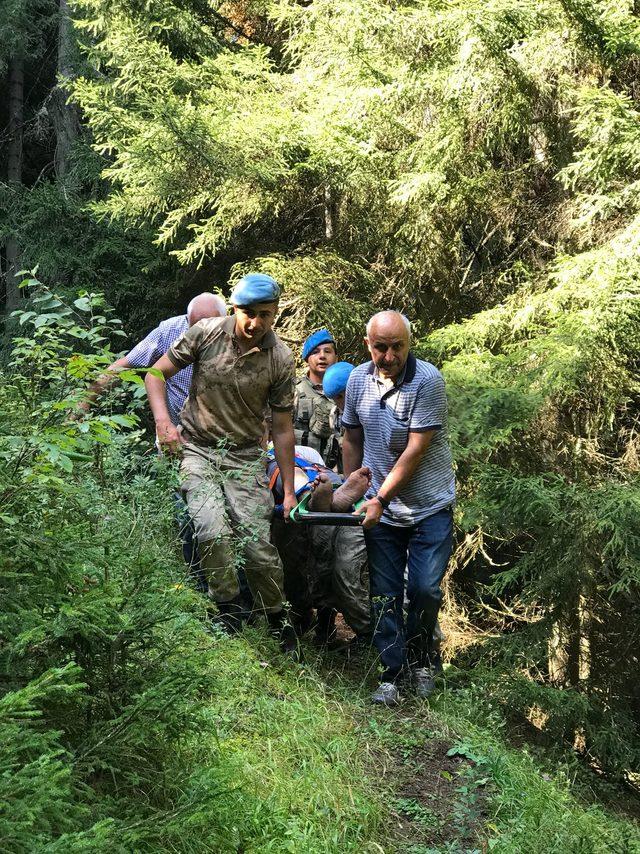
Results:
[425, 548]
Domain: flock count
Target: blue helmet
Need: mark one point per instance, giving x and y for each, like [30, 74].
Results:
[254, 288]
[322, 336]
[335, 378]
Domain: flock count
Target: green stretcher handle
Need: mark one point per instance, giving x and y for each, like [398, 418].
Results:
[301, 514]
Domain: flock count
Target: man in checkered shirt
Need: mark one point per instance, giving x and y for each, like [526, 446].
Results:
[145, 354]
[156, 344]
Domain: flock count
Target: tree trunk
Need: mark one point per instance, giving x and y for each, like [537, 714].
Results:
[569, 647]
[14, 176]
[63, 114]
[329, 214]
[564, 653]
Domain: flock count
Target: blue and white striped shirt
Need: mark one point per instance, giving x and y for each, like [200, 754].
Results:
[415, 403]
[156, 344]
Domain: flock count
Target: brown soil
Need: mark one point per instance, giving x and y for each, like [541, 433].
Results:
[439, 799]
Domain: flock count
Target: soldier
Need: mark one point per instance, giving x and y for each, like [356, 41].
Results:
[312, 427]
[338, 571]
[315, 573]
[312, 408]
[240, 368]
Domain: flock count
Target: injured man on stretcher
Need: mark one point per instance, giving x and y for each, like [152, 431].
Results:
[325, 564]
[331, 493]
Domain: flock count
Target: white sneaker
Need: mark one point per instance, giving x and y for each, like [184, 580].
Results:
[422, 681]
[386, 694]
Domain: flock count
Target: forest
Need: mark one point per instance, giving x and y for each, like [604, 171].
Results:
[474, 164]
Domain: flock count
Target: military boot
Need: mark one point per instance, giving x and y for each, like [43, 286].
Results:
[230, 616]
[281, 628]
[326, 631]
[302, 622]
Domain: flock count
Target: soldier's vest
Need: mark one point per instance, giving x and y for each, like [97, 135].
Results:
[314, 422]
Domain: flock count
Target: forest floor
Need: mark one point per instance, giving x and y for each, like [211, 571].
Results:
[300, 761]
[438, 795]
[453, 784]
[284, 758]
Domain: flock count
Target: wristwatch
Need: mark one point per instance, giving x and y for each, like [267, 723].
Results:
[385, 502]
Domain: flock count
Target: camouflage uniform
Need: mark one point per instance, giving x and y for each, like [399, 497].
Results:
[314, 422]
[339, 575]
[223, 472]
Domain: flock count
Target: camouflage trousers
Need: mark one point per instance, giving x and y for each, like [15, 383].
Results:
[292, 542]
[338, 574]
[230, 503]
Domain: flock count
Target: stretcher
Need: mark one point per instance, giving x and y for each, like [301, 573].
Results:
[305, 473]
[302, 515]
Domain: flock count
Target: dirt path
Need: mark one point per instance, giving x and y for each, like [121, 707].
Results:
[436, 788]
[441, 796]
[440, 799]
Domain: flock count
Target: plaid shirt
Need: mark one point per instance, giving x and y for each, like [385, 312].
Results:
[150, 349]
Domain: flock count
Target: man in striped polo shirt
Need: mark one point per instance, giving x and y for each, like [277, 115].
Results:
[395, 420]
[156, 344]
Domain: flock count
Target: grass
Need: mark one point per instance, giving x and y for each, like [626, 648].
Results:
[279, 766]
[501, 794]
[295, 759]
[533, 810]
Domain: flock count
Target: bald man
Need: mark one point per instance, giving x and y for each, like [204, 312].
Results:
[145, 354]
[395, 420]
[156, 344]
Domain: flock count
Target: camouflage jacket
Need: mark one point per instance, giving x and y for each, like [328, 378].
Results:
[316, 422]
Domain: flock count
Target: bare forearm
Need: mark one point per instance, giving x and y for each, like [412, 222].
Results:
[352, 451]
[406, 465]
[400, 475]
[98, 387]
[157, 395]
[283, 445]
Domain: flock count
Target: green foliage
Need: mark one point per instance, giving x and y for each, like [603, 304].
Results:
[607, 167]
[96, 681]
[125, 725]
[408, 137]
[27, 25]
[65, 240]
[474, 164]
[542, 389]
[530, 808]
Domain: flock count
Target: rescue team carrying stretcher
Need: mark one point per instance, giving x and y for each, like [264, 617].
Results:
[362, 444]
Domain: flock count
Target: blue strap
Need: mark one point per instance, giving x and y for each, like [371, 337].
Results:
[310, 469]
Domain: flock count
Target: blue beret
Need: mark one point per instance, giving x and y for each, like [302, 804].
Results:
[254, 288]
[335, 378]
[322, 336]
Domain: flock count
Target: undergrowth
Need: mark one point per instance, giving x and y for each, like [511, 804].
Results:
[126, 724]
[531, 800]
[543, 412]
